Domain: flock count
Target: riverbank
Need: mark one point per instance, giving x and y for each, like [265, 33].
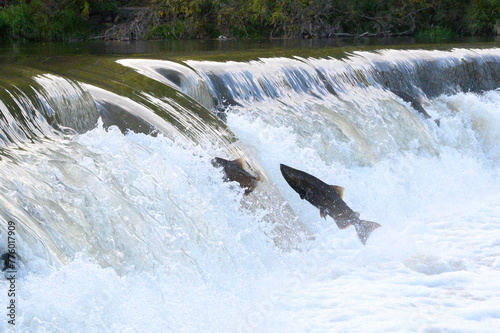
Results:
[206, 19]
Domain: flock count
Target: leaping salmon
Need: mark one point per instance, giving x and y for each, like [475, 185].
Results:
[328, 199]
[234, 172]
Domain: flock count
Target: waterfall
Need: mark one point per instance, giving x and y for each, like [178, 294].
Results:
[106, 173]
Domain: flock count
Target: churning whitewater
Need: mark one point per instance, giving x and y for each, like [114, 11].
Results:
[123, 223]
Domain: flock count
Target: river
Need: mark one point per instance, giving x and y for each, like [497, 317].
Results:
[122, 224]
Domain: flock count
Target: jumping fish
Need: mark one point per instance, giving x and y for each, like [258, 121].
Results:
[328, 199]
[234, 172]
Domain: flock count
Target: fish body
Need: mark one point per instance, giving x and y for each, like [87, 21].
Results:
[234, 172]
[328, 199]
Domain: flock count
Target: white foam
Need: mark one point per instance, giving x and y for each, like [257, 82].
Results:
[182, 255]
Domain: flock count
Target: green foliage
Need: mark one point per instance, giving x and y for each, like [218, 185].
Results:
[484, 17]
[18, 22]
[52, 20]
[68, 19]
[435, 33]
[324, 18]
[206, 18]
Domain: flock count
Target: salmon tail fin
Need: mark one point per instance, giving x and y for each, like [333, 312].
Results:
[364, 229]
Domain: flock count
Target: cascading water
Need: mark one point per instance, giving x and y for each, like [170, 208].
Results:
[122, 223]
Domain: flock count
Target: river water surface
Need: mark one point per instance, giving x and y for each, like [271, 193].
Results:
[122, 224]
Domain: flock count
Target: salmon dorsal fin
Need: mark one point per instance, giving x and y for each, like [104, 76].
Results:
[239, 161]
[339, 190]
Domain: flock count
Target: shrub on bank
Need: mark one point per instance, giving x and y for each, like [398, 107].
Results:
[52, 20]
[37, 20]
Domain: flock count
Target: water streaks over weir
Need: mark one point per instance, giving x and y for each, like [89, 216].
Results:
[123, 220]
